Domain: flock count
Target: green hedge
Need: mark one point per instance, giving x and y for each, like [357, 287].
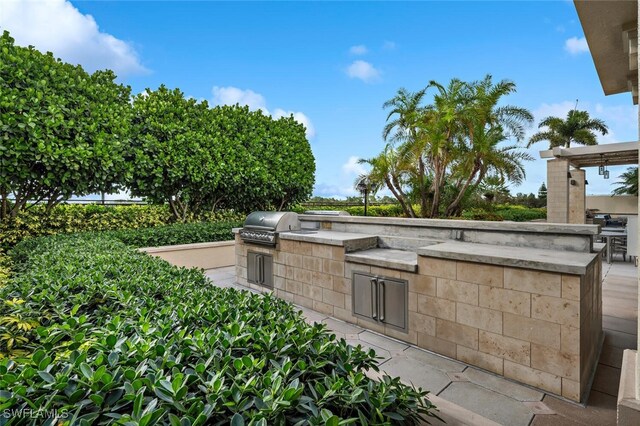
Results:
[387, 210]
[521, 213]
[73, 218]
[506, 212]
[178, 233]
[104, 334]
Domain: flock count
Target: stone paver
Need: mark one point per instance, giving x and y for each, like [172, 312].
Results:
[436, 361]
[488, 403]
[500, 385]
[601, 409]
[417, 373]
[341, 326]
[382, 341]
[468, 395]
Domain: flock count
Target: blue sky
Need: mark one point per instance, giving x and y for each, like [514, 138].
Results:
[333, 64]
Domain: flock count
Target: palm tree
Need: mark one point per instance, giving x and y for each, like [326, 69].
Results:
[486, 127]
[389, 169]
[628, 185]
[403, 125]
[578, 128]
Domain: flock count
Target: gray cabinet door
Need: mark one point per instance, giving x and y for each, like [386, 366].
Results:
[260, 269]
[364, 297]
[392, 302]
[267, 271]
[253, 273]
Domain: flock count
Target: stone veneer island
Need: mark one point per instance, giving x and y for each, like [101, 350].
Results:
[522, 300]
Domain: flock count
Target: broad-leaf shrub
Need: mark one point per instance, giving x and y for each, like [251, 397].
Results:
[63, 131]
[73, 218]
[117, 336]
[177, 233]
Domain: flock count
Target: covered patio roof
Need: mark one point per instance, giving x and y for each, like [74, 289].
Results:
[610, 28]
[614, 154]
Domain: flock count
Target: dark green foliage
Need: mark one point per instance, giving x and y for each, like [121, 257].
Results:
[177, 233]
[388, 210]
[201, 159]
[74, 218]
[506, 212]
[62, 131]
[628, 183]
[112, 335]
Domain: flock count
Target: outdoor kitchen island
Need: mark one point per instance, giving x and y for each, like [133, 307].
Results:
[522, 300]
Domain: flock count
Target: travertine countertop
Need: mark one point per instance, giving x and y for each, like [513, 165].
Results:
[567, 262]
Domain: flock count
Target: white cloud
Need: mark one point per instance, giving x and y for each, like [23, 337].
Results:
[232, 95]
[388, 45]
[360, 49]
[576, 46]
[364, 71]
[352, 167]
[300, 118]
[57, 26]
[334, 191]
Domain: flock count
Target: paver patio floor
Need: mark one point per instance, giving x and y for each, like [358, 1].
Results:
[467, 395]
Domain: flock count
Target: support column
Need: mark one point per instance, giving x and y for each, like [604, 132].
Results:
[628, 412]
[557, 191]
[577, 203]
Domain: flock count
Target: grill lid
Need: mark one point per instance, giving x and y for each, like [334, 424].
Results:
[272, 221]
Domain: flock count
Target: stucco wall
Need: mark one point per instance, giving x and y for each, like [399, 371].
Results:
[616, 205]
[201, 255]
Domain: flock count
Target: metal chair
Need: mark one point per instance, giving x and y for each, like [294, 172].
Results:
[619, 245]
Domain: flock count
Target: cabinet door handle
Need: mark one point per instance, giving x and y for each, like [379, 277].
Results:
[381, 300]
[374, 299]
[260, 270]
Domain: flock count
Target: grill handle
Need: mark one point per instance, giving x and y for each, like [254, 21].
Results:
[374, 299]
[381, 300]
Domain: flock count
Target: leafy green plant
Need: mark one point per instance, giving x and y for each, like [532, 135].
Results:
[124, 338]
[73, 218]
[388, 210]
[197, 158]
[505, 212]
[177, 233]
[64, 131]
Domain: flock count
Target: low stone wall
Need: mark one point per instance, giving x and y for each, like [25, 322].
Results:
[200, 255]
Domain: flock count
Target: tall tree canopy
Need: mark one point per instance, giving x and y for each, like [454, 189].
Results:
[578, 128]
[196, 158]
[63, 131]
[445, 149]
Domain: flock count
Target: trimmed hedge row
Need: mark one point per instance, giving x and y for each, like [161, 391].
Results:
[178, 233]
[387, 210]
[73, 218]
[521, 213]
[99, 333]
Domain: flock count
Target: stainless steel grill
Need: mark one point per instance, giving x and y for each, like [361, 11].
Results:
[263, 227]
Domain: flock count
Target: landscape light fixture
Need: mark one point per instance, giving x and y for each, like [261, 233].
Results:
[601, 168]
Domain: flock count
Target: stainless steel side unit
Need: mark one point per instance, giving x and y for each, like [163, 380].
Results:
[381, 300]
[260, 269]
